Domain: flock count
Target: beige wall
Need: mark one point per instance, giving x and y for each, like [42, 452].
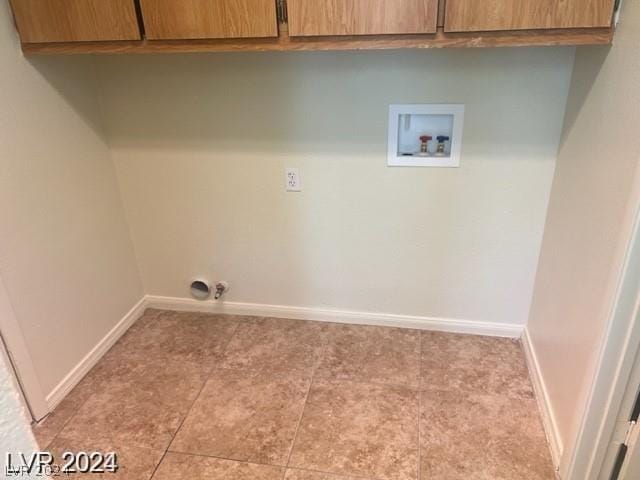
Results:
[201, 144]
[65, 253]
[591, 212]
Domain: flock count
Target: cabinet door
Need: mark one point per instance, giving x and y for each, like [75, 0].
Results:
[43, 21]
[361, 17]
[193, 19]
[486, 15]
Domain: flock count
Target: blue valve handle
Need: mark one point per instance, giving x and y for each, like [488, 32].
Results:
[442, 138]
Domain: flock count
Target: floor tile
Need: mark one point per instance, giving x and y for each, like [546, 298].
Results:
[141, 390]
[177, 466]
[112, 367]
[276, 345]
[164, 336]
[308, 475]
[359, 429]
[47, 429]
[481, 437]
[478, 418]
[474, 364]
[372, 354]
[244, 416]
[144, 407]
[133, 463]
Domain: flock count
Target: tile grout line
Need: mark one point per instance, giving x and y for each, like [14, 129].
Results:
[304, 407]
[64, 424]
[204, 384]
[337, 475]
[262, 464]
[295, 435]
[155, 469]
[413, 387]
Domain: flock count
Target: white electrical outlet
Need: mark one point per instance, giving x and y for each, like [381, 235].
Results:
[293, 180]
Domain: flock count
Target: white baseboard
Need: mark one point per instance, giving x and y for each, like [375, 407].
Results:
[337, 316]
[82, 368]
[544, 402]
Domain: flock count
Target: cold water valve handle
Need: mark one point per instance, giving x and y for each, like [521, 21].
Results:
[441, 144]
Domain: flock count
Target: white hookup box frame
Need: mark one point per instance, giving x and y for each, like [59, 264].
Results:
[408, 122]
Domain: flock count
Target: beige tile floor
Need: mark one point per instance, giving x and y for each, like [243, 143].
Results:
[198, 396]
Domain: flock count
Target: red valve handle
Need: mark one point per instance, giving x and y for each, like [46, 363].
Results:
[425, 138]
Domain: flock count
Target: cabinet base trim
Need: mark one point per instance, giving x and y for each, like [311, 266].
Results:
[593, 36]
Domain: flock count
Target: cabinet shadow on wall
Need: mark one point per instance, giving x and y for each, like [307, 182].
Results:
[584, 77]
[75, 80]
[327, 102]
[311, 102]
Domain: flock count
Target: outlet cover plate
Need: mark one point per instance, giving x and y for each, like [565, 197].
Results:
[293, 180]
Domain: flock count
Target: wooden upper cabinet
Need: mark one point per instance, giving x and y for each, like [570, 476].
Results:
[199, 19]
[361, 17]
[489, 15]
[43, 21]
